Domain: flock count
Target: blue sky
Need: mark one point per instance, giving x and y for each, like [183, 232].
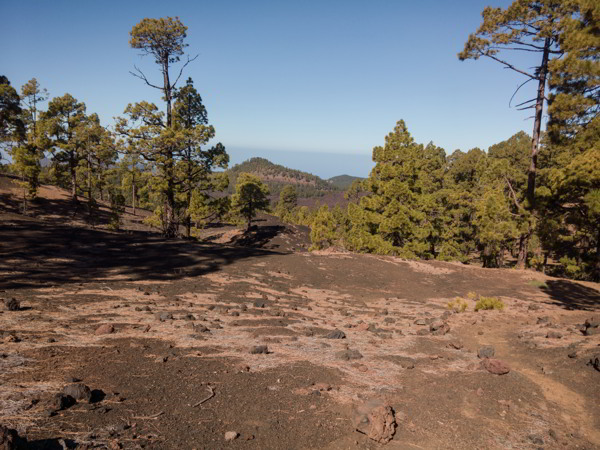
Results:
[314, 84]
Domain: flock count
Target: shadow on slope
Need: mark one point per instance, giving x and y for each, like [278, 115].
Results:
[34, 254]
[572, 295]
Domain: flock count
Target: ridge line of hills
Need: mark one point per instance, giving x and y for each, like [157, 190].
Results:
[276, 177]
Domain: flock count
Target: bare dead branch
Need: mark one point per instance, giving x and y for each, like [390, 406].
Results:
[183, 67]
[510, 66]
[517, 90]
[211, 395]
[141, 76]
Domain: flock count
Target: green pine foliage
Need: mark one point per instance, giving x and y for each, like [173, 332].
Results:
[287, 204]
[251, 196]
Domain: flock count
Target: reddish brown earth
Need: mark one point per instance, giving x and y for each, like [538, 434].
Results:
[184, 380]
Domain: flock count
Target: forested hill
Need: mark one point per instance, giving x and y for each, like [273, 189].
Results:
[277, 177]
[343, 181]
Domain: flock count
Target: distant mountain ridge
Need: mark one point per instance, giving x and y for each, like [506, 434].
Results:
[277, 177]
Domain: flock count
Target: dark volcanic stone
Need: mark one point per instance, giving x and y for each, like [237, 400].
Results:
[348, 355]
[60, 402]
[439, 328]
[12, 304]
[259, 349]
[487, 351]
[10, 439]
[554, 335]
[336, 334]
[259, 304]
[78, 391]
[164, 316]
[595, 362]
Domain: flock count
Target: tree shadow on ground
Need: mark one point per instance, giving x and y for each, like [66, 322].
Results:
[260, 237]
[59, 211]
[35, 254]
[572, 296]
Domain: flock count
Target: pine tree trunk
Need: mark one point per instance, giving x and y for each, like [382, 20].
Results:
[73, 178]
[535, 141]
[133, 192]
[596, 273]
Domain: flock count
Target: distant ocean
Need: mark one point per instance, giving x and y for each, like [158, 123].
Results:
[324, 165]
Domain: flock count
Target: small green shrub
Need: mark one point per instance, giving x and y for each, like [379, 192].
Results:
[489, 303]
[538, 284]
[472, 295]
[458, 305]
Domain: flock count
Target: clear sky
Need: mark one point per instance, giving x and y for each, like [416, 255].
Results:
[310, 84]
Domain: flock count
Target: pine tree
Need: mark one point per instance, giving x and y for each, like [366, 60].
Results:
[172, 142]
[194, 165]
[397, 215]
[27, 156]
[525, 26]
[60, 125]
[288, 202]
[250, 197]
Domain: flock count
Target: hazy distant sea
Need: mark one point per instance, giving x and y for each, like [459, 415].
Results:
[324, 165]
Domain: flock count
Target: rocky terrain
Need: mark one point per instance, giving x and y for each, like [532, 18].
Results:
[126, 340]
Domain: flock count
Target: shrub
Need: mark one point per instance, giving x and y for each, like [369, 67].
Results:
[489, 303]
[458, 305]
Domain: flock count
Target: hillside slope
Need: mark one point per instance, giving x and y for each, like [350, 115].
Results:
[277, 177]
[343, 181]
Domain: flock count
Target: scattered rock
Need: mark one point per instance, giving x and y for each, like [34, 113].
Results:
[495, 366]
[376, 420]
[572, 355]
[12, 304]
[439, 328]
[456, 345]
[322, 387]
[259, 304]
[107, 328]
[200, 328]
[595, 362]
[78, 391]
[422, 332]
[487, 351]
[60, 402]
[231, 436]
[10, 439]
[537, 440]
[543, 320]
[348, 355]
[554, 335]
[259, 349]
[336, 334]
[533, 307]
[591, 326]
[422, 321]
[164, 316]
